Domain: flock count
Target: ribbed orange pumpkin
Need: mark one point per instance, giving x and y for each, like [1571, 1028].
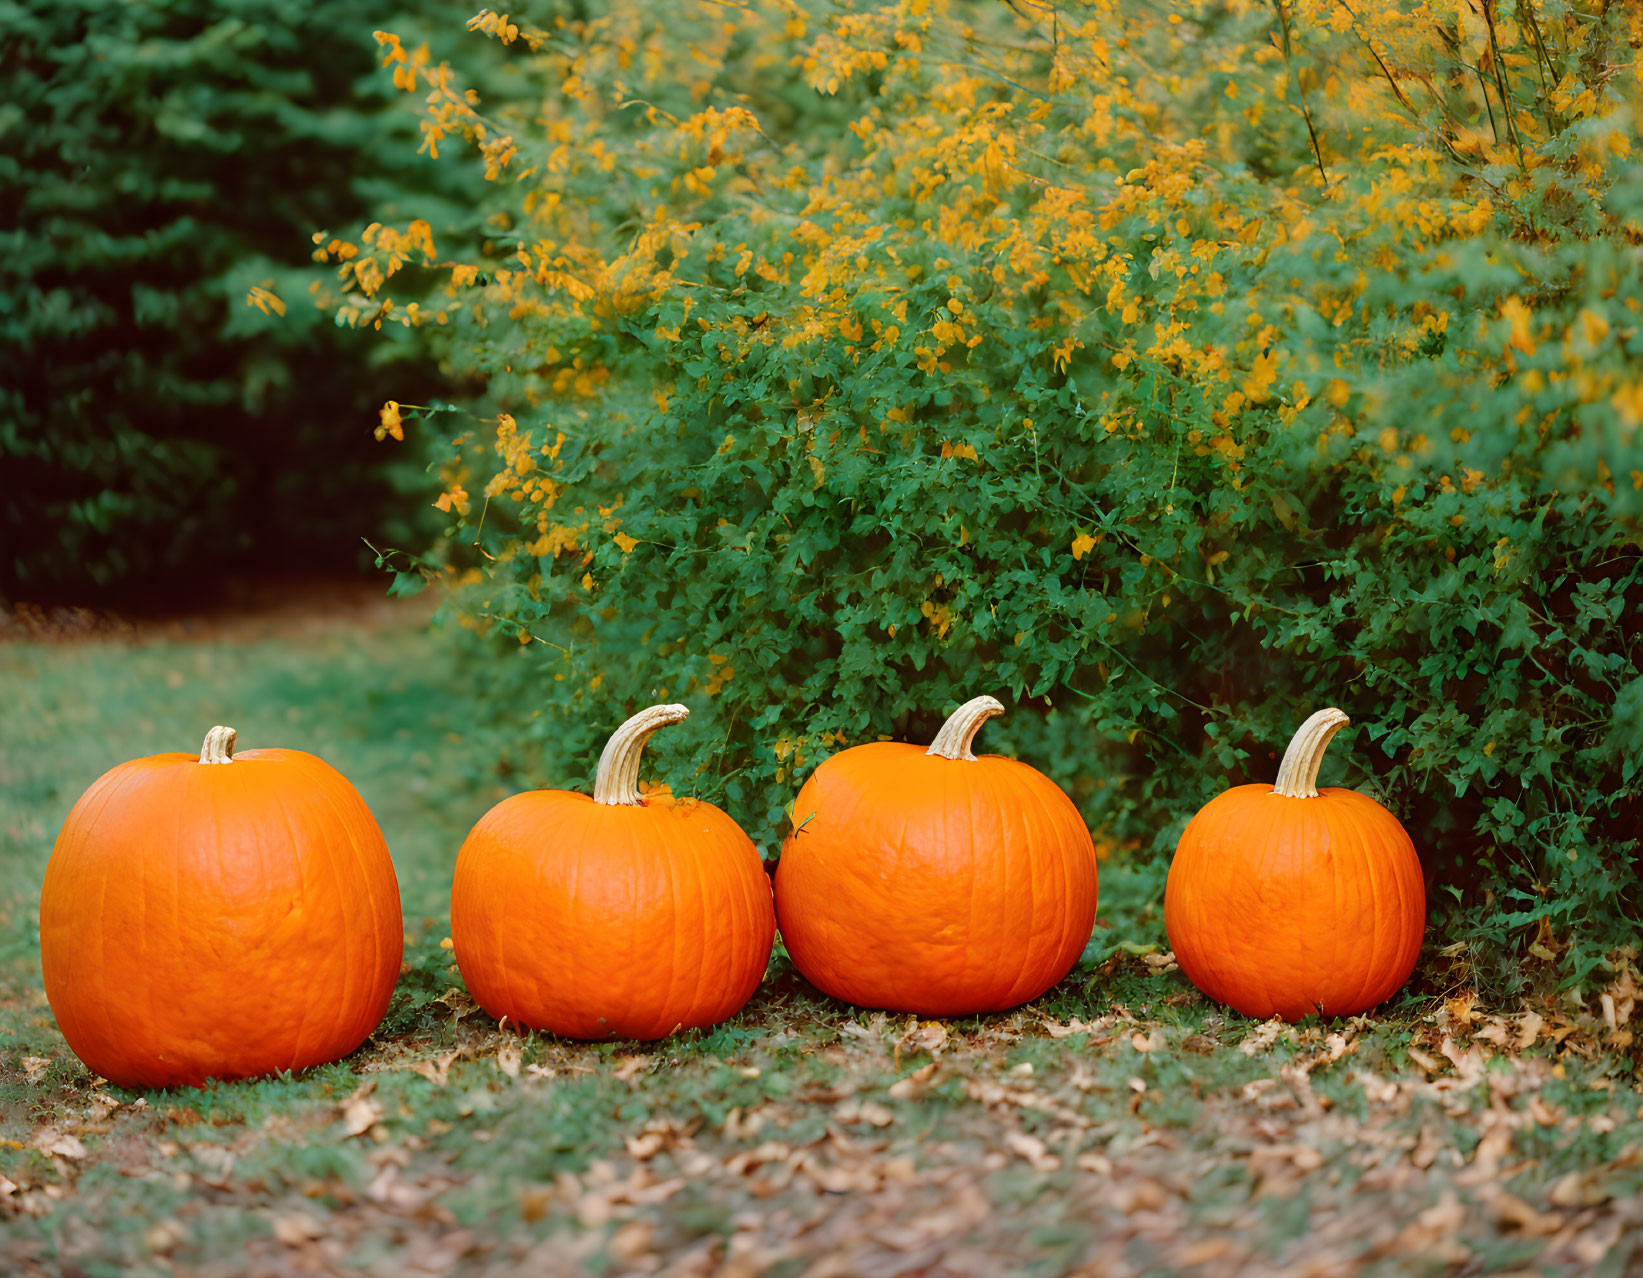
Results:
[218, 917]
[932, 881]
[1285, 900]
[617, 916]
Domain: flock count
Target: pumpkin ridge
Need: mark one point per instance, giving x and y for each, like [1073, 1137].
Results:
[1025, 956]
[347, 825]
[302, 880]
[111, 1029]
[1274, 854]
[754, 920]
[1369, 867]
[1055, 826]
[575, 963]
[543, 813]
[693, 1007]
[386, 941]
[673, 961]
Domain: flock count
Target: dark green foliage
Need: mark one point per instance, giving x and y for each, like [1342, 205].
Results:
[157, 159]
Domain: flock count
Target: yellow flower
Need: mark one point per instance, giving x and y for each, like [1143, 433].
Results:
[389, 421]
[264, 300]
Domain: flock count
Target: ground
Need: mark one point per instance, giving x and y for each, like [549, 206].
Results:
[1120, 1125]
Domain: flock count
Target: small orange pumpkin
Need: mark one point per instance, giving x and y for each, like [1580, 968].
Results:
[218, 917]
[1286, 900]
[932, 881]
[617, 916]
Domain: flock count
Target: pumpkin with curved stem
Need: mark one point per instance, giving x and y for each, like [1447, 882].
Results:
[933, 881]
[218, 917]
[624, 915]
[1287, 900]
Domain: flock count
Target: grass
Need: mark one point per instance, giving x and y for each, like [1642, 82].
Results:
[1121, 1121]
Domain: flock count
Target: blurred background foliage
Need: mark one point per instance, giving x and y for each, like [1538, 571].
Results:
[158, 159]
[1169, 371]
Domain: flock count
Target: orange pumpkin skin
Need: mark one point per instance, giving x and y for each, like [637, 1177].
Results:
[599, 920]
[936, 886]
[203, 921]
[1290, 906]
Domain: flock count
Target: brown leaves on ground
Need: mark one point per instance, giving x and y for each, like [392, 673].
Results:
[1111, 1143]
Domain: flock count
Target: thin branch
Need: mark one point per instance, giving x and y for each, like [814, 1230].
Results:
[1500, 82]
[1483, 88]
[1306, 113]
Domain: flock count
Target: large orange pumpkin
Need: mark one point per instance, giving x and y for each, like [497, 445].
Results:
[1285, 900]
[218, 917]
[624, 915]
[932, 881]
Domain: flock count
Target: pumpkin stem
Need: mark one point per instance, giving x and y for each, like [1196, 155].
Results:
[219, 746]
[953, 741]
[1298, 773]
[617, 781]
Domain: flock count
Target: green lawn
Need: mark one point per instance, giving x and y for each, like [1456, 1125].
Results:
[1119, 1124]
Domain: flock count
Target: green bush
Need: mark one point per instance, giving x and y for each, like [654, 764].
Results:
[159, 158]
[1171, 379]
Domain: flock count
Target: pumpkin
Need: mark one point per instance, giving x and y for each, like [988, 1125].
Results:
[623, 915]
[1286, 900]
[218, 917]
[932, 881]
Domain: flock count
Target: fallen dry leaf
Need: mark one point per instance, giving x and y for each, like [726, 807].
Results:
[1148, 1042]
[1426, 1148]
[927, 1036]
[1428, 1063]
[1032, 1151]
[870, 1112]
[912, 1087]
[34, 1068]
[1262, 1036]
[436, 1069]
[49, 1140]
[296, 1229]
[508, 1059]
[1468, 1063]
[1514, 1213]
[1579, 1189]
[163, 1238]
[739, 1126]
[1378, 1091]
[361, 1111]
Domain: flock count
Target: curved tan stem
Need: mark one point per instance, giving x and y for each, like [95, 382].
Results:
[219, 745]
[1298, 773]
[953, 741]
[617, 781]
